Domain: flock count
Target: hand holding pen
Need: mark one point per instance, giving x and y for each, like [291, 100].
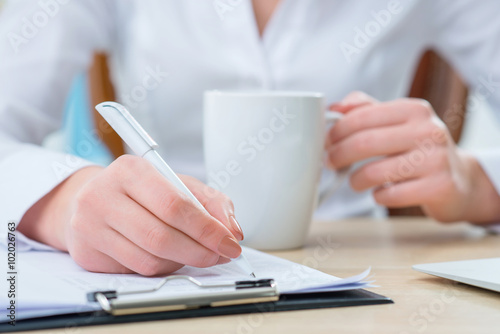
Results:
[188, 224]
[128, 218]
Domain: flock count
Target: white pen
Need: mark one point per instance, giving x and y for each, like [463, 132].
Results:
[144, 146]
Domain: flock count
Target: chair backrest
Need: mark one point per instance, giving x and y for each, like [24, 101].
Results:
[437, 82]
[434, 81]
[101, 90]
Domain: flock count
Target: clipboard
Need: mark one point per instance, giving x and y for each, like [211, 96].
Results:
[240, 297]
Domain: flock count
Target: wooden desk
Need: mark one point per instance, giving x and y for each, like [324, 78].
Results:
[423, 304]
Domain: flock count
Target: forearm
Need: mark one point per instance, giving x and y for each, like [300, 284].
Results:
[47, 219]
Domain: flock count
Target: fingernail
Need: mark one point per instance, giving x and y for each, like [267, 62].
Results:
[236, 228]
[223, 260]
[229, 247]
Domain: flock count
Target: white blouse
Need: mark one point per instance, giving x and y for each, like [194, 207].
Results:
[165, 53]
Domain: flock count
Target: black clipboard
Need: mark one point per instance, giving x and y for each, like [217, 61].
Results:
[261, 288]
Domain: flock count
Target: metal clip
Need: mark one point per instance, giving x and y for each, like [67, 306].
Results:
[244, 292]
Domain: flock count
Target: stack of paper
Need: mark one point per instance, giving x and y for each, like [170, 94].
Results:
[50, 283]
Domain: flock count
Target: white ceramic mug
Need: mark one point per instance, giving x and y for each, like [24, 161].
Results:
[265, 151]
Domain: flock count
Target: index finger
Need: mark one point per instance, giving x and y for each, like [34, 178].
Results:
[368, 117]
[217, 204]
[152, 191]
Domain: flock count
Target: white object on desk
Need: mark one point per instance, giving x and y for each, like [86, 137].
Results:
[483, 273]
[265, 150]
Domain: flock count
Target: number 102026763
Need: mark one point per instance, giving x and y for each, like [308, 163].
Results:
[11, 246]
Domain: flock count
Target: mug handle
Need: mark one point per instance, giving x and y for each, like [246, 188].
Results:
[331, 117]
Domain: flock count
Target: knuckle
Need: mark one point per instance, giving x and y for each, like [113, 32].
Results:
[80, 259]
[126, 159]
[380, 197]
[156, 238]
[422, 108]
[371, 173]
[83, 198]
[426, 105]
[173, 204]
[433, 130]
[426, 132]
[225, 200]
[77, 225]
[357, 95]
[218, 197]
[149, 265]
[86, 204]
[210, 193]
[388, 196]
[441, 159]
[355, 122]
[363, 142]
[362, 178]
[207, 231]
[440, 134]
[126, 164]
[208, 259]
[121, 161]
[438, 126]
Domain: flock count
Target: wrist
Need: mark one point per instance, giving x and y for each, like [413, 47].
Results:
[46, 220]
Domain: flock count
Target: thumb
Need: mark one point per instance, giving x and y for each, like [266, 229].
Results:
[352, 101]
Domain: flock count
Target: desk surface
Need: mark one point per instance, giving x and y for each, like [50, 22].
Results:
[423, 304]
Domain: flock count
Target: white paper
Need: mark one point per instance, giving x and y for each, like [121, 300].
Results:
[51, 283]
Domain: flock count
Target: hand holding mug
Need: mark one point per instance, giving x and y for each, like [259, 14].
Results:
[421, 164]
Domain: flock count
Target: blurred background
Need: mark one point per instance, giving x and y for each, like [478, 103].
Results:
[481, 127]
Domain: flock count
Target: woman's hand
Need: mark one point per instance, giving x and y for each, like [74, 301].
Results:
[419, 165]
[128, 218]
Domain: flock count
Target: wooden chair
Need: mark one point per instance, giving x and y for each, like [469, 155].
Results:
[434, 81]
[101, 90]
